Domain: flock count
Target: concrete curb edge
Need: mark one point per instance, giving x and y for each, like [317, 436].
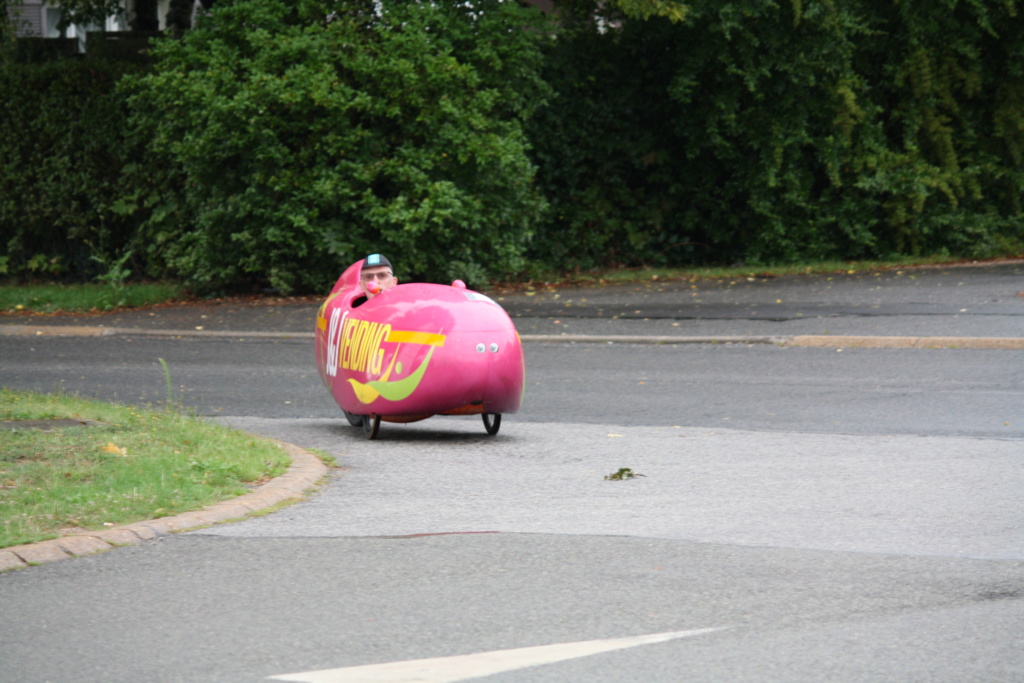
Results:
[827, 341]
[830, 341]
[305, 472]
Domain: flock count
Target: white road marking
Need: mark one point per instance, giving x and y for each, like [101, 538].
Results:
[465, 667]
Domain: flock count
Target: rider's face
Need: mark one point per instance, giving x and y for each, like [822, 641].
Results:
[382, 274]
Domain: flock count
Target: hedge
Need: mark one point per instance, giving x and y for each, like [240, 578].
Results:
[278, 141]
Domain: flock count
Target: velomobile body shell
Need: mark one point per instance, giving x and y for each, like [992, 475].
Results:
[417, 350]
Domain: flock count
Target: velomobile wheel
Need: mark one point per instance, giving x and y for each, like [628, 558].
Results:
[371, 424]
[492, 422]
[353, 419]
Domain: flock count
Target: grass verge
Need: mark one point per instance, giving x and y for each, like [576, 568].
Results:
[134, 465]
[50, 298]
[646, 274]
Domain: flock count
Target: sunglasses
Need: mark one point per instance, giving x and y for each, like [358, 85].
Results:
[366, 277]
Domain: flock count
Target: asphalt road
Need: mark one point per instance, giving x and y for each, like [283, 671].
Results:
[757, 387]
[839, 514]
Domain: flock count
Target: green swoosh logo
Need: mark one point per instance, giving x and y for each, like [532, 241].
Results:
[395, 390]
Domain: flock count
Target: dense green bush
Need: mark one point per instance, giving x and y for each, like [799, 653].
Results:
[772, 131]
[609, 157]
[61, 152]
[935, 141]
[279, 141]
[290, 139]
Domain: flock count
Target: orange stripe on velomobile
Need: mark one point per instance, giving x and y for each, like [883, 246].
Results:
[470, 409]
[414, 337]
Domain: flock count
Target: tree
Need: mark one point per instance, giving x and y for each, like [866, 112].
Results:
[290, 139]
[142, 15]
[673, 10]
[768, 130]
[87, 12]
[179, 16]
[7, 33]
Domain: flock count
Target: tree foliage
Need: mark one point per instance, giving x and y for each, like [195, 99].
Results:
[279, 141]
[62, 148]
[673, 10]
[290, 139]
[766, 131]
[7, 34]
[87, 12]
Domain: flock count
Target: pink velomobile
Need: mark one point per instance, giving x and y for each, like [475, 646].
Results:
[417, 350]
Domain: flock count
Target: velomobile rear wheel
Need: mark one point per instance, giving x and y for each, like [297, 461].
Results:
[353, 419]
[492, 422]
[371, 424]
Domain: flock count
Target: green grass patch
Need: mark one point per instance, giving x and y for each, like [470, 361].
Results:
[139, 464]
[50, 298]
[696, 273]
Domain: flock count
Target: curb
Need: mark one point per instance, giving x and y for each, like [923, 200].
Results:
[304, 473]
[1011, 343]
[94, 331]
[828, 341]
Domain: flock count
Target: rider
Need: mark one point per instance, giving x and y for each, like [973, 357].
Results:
[376, 275]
